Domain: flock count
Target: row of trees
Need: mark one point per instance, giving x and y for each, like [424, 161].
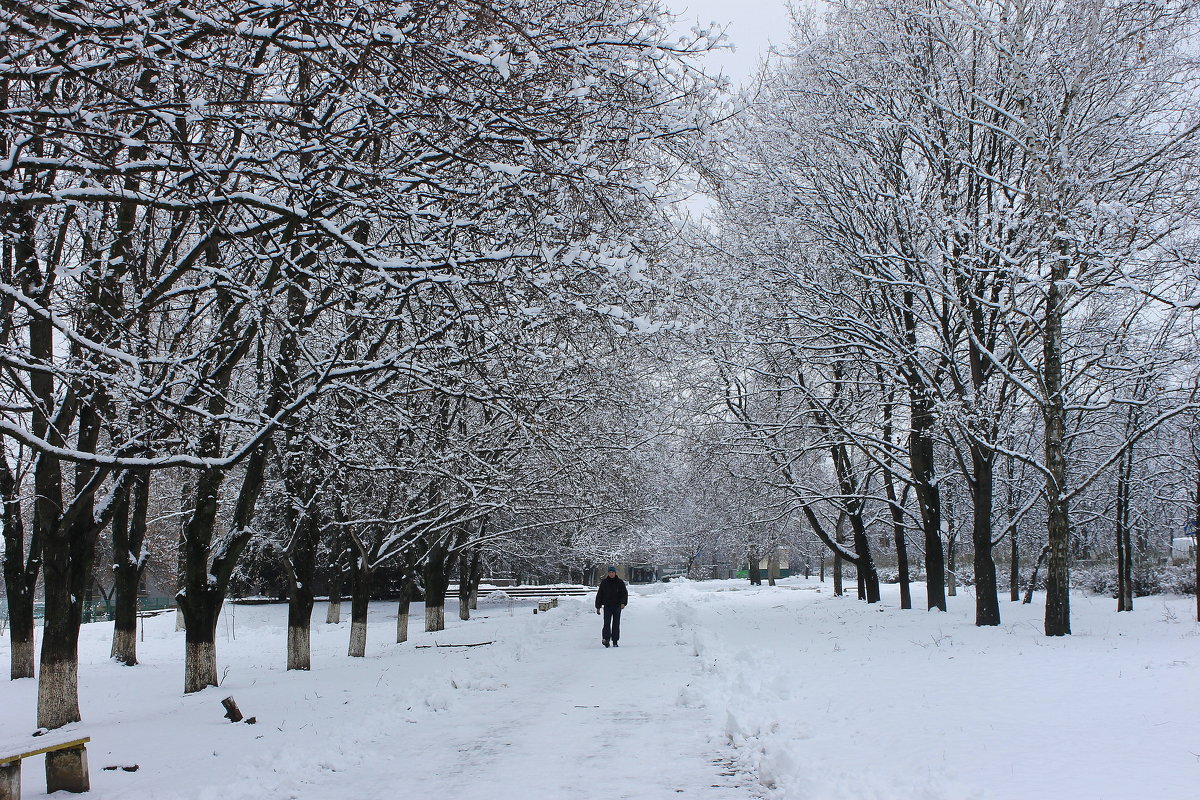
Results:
[352, 288]
[343, 274]
[956, 248]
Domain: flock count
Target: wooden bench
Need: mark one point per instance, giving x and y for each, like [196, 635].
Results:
[527, 591]
[66, 763]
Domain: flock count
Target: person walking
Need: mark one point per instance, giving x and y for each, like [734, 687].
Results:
[611, 596]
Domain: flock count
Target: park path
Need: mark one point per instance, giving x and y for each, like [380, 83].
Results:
[570, 719]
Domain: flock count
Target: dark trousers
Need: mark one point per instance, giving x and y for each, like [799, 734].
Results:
[612, 623]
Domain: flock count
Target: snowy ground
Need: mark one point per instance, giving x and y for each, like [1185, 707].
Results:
[719, 691]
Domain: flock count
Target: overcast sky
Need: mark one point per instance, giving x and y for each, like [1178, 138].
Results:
[753, 26]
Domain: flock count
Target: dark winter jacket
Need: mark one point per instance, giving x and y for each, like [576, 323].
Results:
[612, 593]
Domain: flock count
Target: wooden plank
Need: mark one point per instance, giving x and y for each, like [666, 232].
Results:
[45, 738]
[46, 748]
[527, 591]
[525, 594]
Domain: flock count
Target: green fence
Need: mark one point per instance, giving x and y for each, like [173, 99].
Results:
[101, 612]
[96, 611]
[39, 610]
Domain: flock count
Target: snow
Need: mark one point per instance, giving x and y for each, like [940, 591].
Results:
[828, 697]
[506, 169]
[719, 690]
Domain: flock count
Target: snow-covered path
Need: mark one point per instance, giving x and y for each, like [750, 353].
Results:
[544, 712]
[567, 718]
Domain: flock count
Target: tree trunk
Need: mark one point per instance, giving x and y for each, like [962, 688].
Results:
[1058, 524]
[893, 498]
[300, 606]
[437, 578]
[476, 577]
[201, 610]
[951, 565]
[1121, 574]
[839, 537]
[987, 598]
[925, 488]
[468, 566]
[207, 569]
[199, 600]
[1124, 551]
[1029, 590]
[21, 266]
[754, 572]
[464, 602]
[21, 569]
[333, 615]
[477, 571]
[129, 561]
[1196, 535]
[187, 505]
[359, 602]
[22, 657]
[1014, 564]
[402, 612]
[341, 554]
[58, 681]
[69, 550]
[867, 575]
[300, 565]
[1014, 568]
[773, 568]
[898, 531]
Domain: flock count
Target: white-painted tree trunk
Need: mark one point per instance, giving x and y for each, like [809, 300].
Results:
[358, 639]
[200, 666]
[58, 694]
[435, 618]
[299, 650]
[124, 646]
[334, 615]
[22, 660]
[402, 627]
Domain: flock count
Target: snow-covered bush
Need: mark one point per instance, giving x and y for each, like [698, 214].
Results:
[1156, 579]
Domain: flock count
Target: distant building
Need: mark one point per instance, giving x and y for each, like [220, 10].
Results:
[1183, 550]
[764, 565]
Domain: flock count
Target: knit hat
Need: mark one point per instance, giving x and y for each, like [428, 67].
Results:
[612, 568]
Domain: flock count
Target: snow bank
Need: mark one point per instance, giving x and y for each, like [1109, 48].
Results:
[829, 698]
